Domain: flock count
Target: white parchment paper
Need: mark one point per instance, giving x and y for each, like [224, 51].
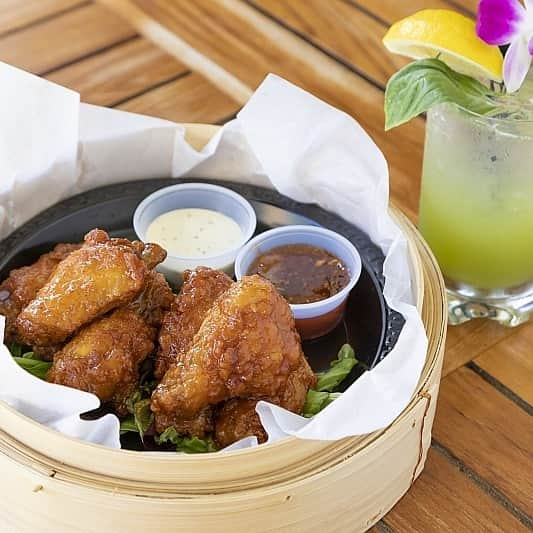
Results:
[52, 147]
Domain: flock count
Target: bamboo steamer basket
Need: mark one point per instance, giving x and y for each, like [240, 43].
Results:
[55, 483]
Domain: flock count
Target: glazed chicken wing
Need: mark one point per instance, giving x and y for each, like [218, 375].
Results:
[102, 275]
[201, 287]
[246, 347]
[237, 418]
[104, 357]
[23, 284]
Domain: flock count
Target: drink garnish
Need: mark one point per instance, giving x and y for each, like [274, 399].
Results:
[501, 22]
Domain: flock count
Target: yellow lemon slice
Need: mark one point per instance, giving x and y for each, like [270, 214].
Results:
[448, 35]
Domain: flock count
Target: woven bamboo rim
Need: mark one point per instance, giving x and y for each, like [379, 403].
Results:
[289, 462]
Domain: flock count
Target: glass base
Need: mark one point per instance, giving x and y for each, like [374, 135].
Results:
[509, 308]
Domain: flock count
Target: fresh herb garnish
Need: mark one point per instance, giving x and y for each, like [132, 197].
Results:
[128, 425]
[34, 366]
[324, 392]
[315, 401]
[340, 368]
[142, 417]
[427, 82]
[29, 361]
[16, 350]
[185, 444]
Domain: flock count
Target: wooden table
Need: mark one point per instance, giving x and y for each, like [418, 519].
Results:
[479, 474]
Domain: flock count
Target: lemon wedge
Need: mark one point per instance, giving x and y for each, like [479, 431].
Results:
[449, 36]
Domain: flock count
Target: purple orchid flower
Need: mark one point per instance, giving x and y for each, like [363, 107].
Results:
[509, 22]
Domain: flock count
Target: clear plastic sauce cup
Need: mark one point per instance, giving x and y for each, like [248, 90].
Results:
[317, 318]
[200, 196]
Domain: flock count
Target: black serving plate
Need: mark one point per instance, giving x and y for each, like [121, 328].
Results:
[369, 325]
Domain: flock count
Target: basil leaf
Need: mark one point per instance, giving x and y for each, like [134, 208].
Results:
[34, 366]
[425, 83]
[340, 368]
[315, 401]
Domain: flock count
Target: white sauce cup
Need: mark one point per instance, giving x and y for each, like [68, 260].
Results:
[201, 196]
[317, 318]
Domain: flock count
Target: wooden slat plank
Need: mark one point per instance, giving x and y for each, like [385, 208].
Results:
[393, 10]
[122, 72]
[487, 432]
[468, 341]
[15, 14]
[189, 99]
[349, 34]
[249, 45]
[511, 363]
[381, 527]
[342, 29]
[64, 39]
[444, 499]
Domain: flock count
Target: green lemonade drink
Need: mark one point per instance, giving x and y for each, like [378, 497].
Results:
[476, 206]
[474, 79]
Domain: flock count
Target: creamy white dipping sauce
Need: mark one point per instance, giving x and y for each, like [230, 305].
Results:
[194, 232]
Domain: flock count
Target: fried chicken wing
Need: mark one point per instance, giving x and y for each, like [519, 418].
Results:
[104, 357]
[155, 300]
[237, 418]
[300, 381]
[201, 287]
[102, 275]
[246, 347]
[23, 284]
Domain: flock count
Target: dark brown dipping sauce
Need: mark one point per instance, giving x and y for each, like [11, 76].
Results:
[301, 273]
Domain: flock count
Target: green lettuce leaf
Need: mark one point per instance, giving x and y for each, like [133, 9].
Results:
[340, 368]
[128, 425]
[139, 406]
[323, 393]
[315, 401]
[16, 350]
[425, 83]
[185, 444]
[34, 366]
[29, 361]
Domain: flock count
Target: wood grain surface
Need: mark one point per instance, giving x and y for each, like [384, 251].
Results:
[198, 61]
[15, 14]
[121, 72]
[69, 36]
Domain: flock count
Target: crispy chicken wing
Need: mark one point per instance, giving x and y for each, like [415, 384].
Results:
[237, 418]
[246, 347]
[155, 300]
[104, 357]
[201, 287]
[23, 284]
[102, 275]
